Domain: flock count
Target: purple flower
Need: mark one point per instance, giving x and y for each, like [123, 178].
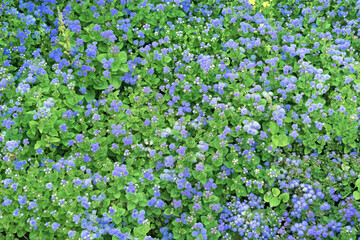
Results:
[55, 226]
[33, 223]
[203, 146]
[152, 202]
[107, 63]
[39, 151]
[325, 207]
[128, 140]
[82, 90]
[177, 204]
[147, 90]
[109, 35]
[106, 74]
[147, 122]
[63, 127]
[56, 54]
[11, 145]
[49, 186]
[114, 12]
[120, 171]
[279, 115]
[22, 199]
[79, 138]
[160, 203]
[91, 50]
[6, 201]
[134, 214]
[14, 186]
[71, 233]
[94, 147]
[169, 161]
[97, 28]
[87, 158]
[16, 212]
[181, 151]
[252, 127]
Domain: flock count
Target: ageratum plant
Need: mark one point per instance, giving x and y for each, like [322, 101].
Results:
[179, 119]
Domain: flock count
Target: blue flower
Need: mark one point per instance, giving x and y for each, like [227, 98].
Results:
[94, 147]
[55, 226]
[16, 212]
[71, 233]
[107, 63]
[49, 186]
[63, 127]
[22, 199]
[39, 151]
[6, 201]
[82, 90]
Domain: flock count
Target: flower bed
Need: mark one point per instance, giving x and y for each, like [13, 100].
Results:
[179, 119]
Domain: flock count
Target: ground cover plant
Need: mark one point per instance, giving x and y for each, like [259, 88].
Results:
[133, 119]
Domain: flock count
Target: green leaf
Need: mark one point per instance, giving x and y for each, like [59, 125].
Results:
[180, 14]
[274, 202]
[167, 212]
[275, 192]
[38, 144]
[115, 81]
[122, 57]
[284, 197]
[356, 195]
[357, 183]
[249, 82]
[100, 57]
[124, 68]
[90, 95]
[103, 84]
[167, 59]
[54, 140]
[131, 205]
[53, 132]
[115, 66]
[326, 25]
[274, 127]
[280, 140]
[267, 197]
[106, 202]
[140, 232]
[83, 18]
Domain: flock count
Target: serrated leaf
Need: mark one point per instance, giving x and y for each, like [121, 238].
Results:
[274, 127]
[280, 140]
[53, 132]
[122, 57]
[115, 81]
[124, 68]
[90, 95]
[115, 66]
[167, 59]
[100, 57]
[38, 144]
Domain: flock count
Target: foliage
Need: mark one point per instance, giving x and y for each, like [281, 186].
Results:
[179, 120]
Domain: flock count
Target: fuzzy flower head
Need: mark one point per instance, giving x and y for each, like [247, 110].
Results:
[252, 127]
[107, 63]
